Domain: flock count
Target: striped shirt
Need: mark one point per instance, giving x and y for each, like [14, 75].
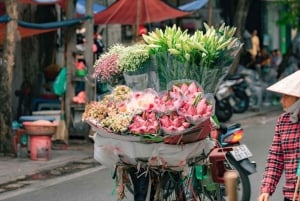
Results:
[283, 155]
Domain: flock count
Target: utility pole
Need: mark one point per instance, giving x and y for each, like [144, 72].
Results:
[70, 39]
[89, 55]
[209, 13]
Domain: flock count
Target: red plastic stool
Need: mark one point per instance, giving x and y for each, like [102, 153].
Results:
[40, 147]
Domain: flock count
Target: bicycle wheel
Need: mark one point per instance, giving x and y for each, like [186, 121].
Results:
[166, 185]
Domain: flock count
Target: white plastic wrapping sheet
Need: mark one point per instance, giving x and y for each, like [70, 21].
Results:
[110, 151]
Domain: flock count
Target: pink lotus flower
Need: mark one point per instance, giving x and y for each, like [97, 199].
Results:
[173, 122]
[145, 123]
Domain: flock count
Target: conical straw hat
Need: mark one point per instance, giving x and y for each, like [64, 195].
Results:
[289, 85]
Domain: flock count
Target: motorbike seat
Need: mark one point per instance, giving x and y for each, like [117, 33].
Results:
[235, 77]
[234, 126]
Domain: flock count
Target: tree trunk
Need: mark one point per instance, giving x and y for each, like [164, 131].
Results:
[90, 94]
[239, 21]
[36, 61]
[70, 39]
[240, 16]
[6, 78]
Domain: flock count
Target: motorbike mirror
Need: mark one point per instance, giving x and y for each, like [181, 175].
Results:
[223, 128]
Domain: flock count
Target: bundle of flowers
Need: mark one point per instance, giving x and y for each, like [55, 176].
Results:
[175, 111]
[106, 67]
[201, 56]
[133, 58]
[191, 107]
[139, 101]
[120, 59]
[144, 123]
[108, 112]
[173, 123]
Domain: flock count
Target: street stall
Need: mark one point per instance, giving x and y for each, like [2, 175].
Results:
[156, 134]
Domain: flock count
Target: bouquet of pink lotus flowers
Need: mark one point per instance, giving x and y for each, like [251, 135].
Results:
[191, 107]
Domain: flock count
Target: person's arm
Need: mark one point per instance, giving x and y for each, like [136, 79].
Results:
[274, 166]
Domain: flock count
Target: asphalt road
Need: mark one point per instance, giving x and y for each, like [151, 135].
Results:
[96, 184]
[89, 185]
[258, 137]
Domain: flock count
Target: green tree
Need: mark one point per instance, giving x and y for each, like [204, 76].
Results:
[290, 14]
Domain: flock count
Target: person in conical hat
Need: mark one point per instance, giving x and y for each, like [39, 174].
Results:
[284, 152]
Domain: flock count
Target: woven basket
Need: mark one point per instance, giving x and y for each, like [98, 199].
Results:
[199, 132]
[34, 129]
[40, 130]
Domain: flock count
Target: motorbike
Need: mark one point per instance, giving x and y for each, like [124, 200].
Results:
[203, 179]
[223, 101]
[232, 96]
[241, 92]
[257, 87]
[223, 106]
[229, 154]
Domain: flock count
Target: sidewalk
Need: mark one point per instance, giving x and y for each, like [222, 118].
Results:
[12, 168]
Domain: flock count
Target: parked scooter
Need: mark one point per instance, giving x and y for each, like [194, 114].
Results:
[223, 101]
[239, 98]
[256, 85]
[223, 108]
[232, 96]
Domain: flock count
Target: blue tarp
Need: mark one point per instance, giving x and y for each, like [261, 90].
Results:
[80, 7]
[47, 25]
[52, 25]
[195, 5]
[4, 18]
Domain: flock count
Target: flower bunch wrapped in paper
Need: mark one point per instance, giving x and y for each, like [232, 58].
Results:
[182, 109]
[201, 56]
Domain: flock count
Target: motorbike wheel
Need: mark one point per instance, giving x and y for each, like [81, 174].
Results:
[242, 102]
[253, 101]
[223, 110]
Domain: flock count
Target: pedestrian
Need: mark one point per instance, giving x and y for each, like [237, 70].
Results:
[284, 152]
[255, 44]
[98, 43]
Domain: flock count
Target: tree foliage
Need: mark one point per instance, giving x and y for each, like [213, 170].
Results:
[290, 15]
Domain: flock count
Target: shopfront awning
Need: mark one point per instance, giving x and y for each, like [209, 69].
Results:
[137, 12]
[194, 5]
